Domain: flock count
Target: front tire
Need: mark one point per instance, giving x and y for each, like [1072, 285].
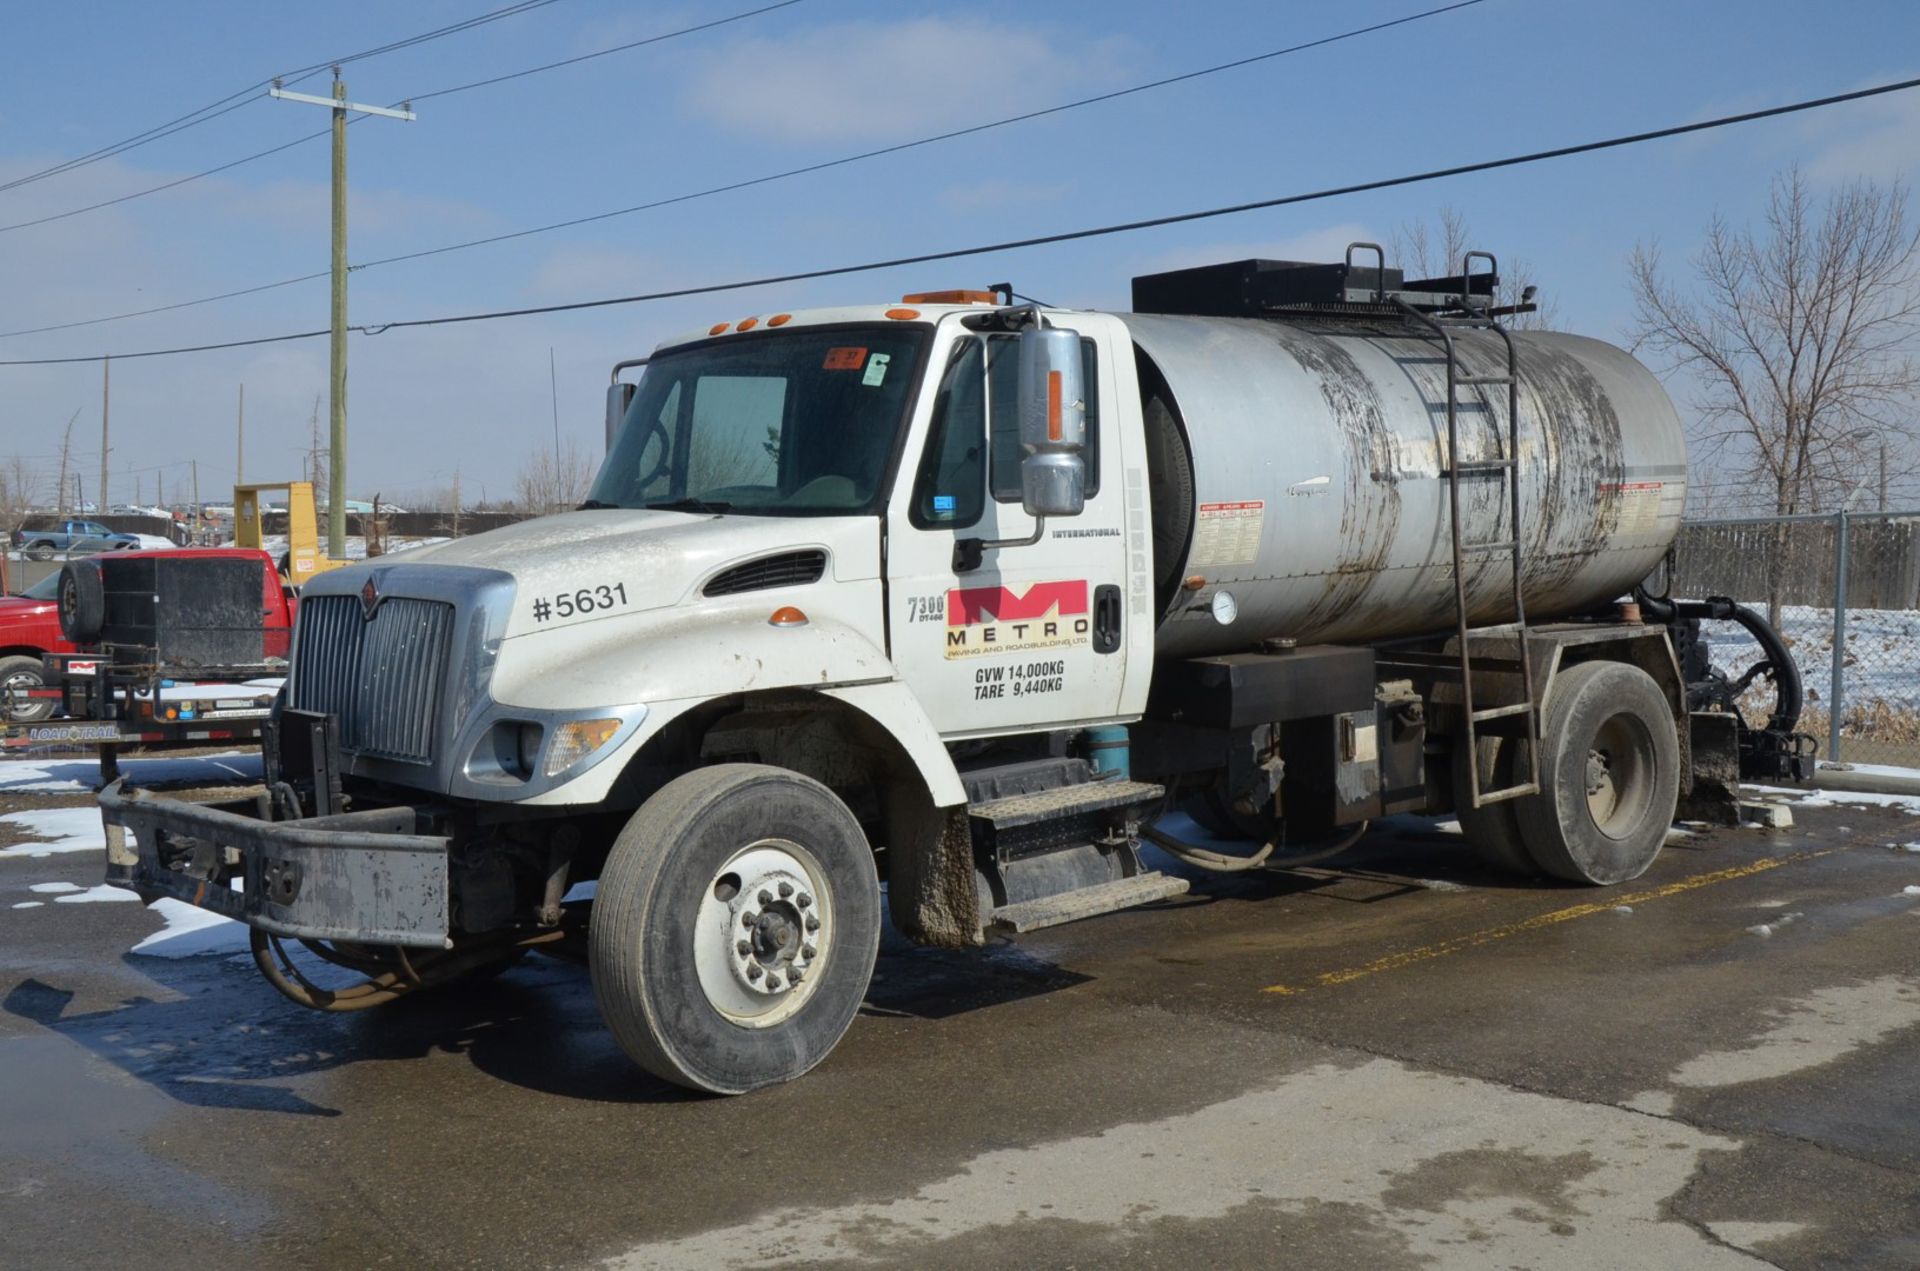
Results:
[1610, 776]
[735, 928]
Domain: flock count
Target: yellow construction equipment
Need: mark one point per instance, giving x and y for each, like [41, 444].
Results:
[304, 559]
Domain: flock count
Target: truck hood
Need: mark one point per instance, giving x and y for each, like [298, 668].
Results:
[627, 560]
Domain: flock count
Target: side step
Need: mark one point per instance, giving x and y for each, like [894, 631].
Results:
[1025, 824]
[1087, 902]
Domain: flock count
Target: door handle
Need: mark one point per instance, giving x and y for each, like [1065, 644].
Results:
[1106, 618]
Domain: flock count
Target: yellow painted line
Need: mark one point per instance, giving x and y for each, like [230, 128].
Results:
[1443, 948]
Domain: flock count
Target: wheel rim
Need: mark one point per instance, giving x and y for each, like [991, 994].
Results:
[1619, 775]
[15, 704]
[764, 933]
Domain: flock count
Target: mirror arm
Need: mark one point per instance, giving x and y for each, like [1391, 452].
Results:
[967, 552]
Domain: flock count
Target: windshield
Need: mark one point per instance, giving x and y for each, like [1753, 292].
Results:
[793, 423]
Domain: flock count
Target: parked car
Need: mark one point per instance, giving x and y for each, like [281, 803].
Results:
[30, 628]
[68, 536]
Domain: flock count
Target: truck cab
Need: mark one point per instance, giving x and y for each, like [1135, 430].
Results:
[946, 594]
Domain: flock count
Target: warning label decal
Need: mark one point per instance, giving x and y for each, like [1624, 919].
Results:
[1228, 533]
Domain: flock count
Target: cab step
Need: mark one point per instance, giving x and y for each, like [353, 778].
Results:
[1087, 902]
[1025, 824]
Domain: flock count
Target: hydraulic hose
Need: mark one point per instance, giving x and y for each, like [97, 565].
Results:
[1788, 694]
[1222, 863]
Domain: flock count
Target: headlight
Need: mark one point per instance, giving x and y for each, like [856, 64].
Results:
[575, 740]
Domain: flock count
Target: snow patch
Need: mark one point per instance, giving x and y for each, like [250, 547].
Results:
[30, 904]
[54, 888]
[50, 830]
[191, 932]
[1766, 929]
[79, 774]
[96, 895]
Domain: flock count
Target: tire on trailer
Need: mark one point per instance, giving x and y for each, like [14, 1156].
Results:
[1609, 773]
[17, 674]
[1492, 830]
[719, 886]
[82, 601]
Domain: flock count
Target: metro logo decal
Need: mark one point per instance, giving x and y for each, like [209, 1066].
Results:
[1048, 615]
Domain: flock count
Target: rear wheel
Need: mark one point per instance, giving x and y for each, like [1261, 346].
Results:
[18, 677]
[1610, 776]
[735, 928]
[40, 551]
[1493, 830]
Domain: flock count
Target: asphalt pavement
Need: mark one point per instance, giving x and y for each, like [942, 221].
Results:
[1398, 1061]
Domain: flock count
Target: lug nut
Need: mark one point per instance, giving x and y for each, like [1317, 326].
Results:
[794, 973]
[786, 890]
[807, 951]
[773, 982]
[743, 948]
[804, 900]
[753, 971]
[766, 897]
[813, 923]
[747, 918]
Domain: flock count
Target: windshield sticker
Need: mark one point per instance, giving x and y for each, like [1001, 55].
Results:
[844, 359]
[876, 370]
[1049, 615]
[943, 505]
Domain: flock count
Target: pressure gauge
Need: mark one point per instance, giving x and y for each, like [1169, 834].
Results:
[1225, 607]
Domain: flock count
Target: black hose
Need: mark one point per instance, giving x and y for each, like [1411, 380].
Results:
[1788, 693]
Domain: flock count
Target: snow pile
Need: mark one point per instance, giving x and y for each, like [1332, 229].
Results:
[191, 933]
[79, 774]
[50, 830]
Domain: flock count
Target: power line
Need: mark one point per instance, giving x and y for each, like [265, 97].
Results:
[233, 101]
[767, 178]
[443, 92]
[1065, 236]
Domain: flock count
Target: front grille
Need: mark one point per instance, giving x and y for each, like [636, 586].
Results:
[379, 678]
[788, 569]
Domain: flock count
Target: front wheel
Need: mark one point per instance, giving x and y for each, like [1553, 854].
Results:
[735, 928]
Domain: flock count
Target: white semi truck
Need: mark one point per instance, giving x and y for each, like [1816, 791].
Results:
[938, 606]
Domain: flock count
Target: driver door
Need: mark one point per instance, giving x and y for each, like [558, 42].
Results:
[1031, 639]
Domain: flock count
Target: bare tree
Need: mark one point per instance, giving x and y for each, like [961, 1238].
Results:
[1794, 338]
[1438, 250]
[553, 481]
[316, 465]
[18, 481]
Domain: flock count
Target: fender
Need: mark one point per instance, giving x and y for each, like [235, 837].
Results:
[682, 656]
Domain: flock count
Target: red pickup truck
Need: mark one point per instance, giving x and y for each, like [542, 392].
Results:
[30, 627]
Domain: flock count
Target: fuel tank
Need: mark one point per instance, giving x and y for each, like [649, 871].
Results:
[1297, 477]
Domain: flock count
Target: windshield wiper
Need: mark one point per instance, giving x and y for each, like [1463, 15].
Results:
[690, 504]
[593, 504]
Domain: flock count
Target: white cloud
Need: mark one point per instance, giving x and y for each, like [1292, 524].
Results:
[878, 81]
[1877, 139]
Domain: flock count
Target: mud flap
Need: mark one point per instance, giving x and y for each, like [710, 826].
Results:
[1715, 743]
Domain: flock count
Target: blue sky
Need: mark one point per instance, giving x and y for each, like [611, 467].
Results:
[811, 82]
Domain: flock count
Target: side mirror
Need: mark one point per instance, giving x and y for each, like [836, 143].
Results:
[1053, 423]
[619, 397]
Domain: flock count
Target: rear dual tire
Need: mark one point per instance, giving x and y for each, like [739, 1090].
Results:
[722, 886]
[1610, 781]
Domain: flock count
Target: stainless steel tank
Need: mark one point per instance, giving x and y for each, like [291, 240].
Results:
[1316, 505]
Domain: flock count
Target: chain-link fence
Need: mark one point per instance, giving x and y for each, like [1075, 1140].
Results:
[1844, 591]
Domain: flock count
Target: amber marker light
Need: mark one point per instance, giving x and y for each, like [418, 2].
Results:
[779, 319]
[903, 315]
[949, 298]
[718, 328]
[787, 616]
[747, 324]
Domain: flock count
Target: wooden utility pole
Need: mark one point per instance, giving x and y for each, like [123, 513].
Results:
[106, 382]
[240, 443]
[337, 463]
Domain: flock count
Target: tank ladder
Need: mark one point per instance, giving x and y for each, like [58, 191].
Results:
[1505, 469]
